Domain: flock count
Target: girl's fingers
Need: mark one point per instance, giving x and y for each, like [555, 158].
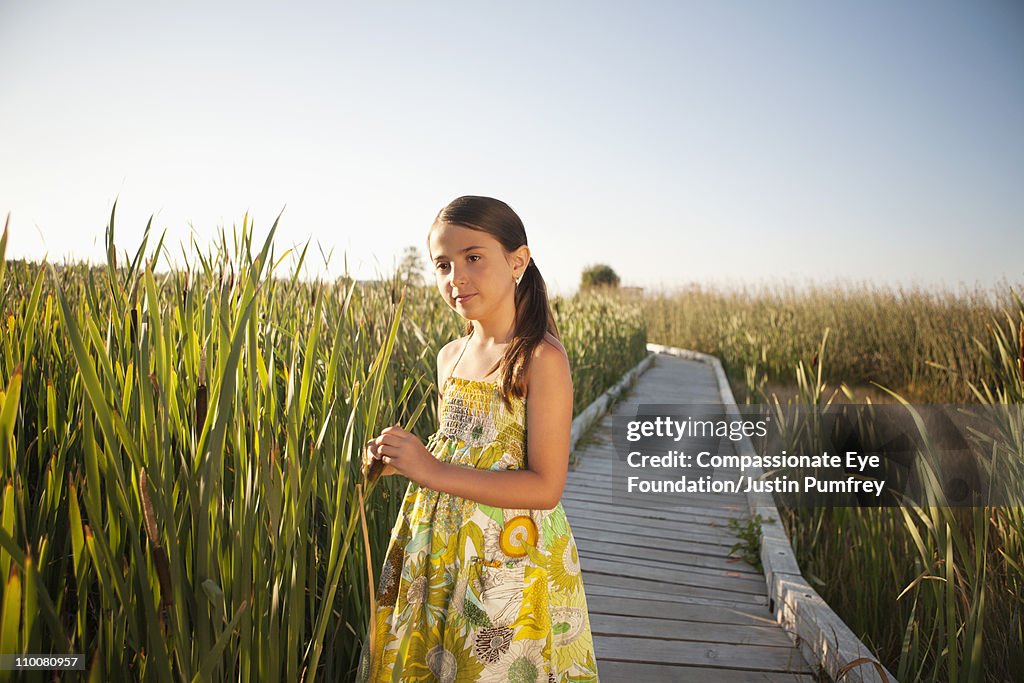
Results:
[389, 440]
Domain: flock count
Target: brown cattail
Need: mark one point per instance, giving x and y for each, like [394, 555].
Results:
[147, 508]
[201, 396]
[814, 361]
[163, 575]
[155, 385]
[163, 571]
[134, 308]
[372, 467]
[1020, 354]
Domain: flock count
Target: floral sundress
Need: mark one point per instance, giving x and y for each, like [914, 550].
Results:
[471, 592]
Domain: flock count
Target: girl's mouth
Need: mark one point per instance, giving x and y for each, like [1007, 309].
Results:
[463, 298]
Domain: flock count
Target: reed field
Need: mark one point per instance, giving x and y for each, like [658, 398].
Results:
[180, 453]
[937, 592]
[927, 345]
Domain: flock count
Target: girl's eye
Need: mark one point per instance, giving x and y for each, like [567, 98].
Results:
[474, 257]
[442, 266]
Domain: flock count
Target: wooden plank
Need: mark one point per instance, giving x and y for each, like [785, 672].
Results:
[699, 501]
[625, 545]
[687, 560]
[651, 520]
[691, 562]
[723, 600]
[647, 537]
[737, 615]
[654, 510]
[675, 578]
[703, 632]
[612, 670]
[617, 492]
[718, 655]
[595, 578]
[675, 549]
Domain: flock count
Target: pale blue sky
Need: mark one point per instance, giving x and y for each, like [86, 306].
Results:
[710, 142]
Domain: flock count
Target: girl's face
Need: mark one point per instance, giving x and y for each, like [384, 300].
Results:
[474, 273]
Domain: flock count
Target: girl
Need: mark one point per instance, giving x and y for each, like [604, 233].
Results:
[482, 579]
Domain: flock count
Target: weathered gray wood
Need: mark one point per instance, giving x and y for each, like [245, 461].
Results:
[666, 599]
[640, 672]
[601, 543]
[678, 576]
[824, 638]
[706, 564]
[670, 629]
[703, 514]
[690, 612]
[720, 655]
[724, 599]
[710, 501]
[704, 533]
[689, 560]
[722, 593]
[677, 521]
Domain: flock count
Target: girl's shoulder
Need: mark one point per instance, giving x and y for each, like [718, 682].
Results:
[452, 347]
[551, 344]
[549, 362]
[447, 355]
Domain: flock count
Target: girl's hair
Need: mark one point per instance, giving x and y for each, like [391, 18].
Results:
[533, 317]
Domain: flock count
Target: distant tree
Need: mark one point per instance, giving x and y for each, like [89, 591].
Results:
[410, 268]
[599, 275]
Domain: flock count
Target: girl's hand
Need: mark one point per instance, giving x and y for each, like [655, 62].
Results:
[407, 455]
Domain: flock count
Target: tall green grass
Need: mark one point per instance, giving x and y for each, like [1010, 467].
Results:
[924, 343]
[937, 592]
[179, 454]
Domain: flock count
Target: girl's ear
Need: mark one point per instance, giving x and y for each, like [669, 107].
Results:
[519, 259]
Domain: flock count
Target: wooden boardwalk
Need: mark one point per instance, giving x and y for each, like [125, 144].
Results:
[666, 600]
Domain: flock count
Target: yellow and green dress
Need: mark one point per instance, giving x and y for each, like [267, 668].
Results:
[471, 592]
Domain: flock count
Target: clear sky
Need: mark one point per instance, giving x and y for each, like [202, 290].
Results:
[712, 142]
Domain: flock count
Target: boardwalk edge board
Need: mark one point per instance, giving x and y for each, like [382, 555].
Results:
[822, 636]
[596, 410]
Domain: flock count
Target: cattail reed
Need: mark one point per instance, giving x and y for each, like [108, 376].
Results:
[201, 397]
[163, 572]
[1020, 352]
[372, 467]
[147, 509]
[155, 385]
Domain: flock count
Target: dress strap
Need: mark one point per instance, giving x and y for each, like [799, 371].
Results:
[452, 371]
